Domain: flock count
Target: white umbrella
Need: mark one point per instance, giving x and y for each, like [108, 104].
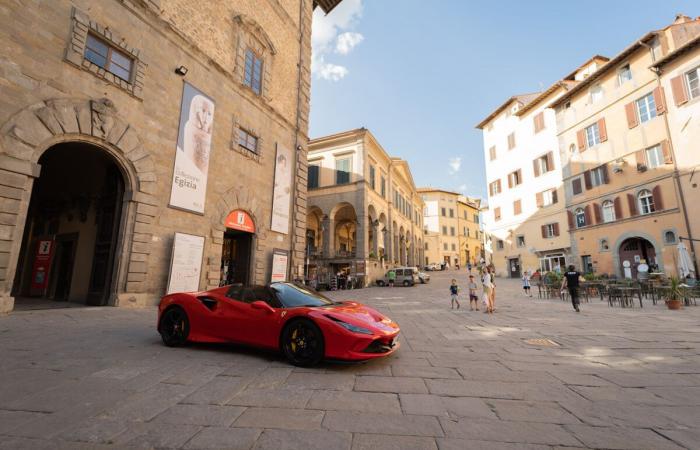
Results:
[685, 265]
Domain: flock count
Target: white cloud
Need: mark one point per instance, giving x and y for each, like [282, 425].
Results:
[462, 189]
[455, 164]
[347, 41]
[325, 38]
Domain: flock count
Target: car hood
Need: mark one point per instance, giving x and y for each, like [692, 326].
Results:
[361, 315]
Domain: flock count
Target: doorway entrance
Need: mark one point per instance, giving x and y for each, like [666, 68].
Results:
[634, 250]
[70, 237]
[514, 267]
[235, 257]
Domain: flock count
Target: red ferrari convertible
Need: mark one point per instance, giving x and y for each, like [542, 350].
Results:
[306, 326]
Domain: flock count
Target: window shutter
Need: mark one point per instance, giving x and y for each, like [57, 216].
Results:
[632, 203]
[539, 200]
[517, 208]
[543, 228]
[597, 213]
[587, 179]
[618, 208]
[641, 158]
[602, 130]
[498, 183]
[660, 100]
[536, 167]
[570, 217]
[555, 228]
[666, 150]
[587, 215]
[520, 176]
[491, 189]
[581, 138]
[510, 181]
[554, 196]
[604, 168]
[680, 94]
[576, 186]
[550, 161]
[658, 200]
[631, 112]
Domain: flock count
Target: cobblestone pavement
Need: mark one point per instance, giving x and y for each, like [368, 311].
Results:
[615, 379]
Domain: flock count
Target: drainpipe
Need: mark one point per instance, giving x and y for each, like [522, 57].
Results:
[677, 178]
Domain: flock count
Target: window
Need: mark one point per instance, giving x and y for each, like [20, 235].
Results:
[604, 246]
[444, 230]
[646, 202]
[655, 49]
[426, 246]
[443, 211]
[520, 240]
[548, 197]
[693, 78]
[511, 141]
[476, 218]
[494, 188]
[608, 211]
[253, 71]
[492, 153]
[247, 140]
[517, 207]
[497, 213]
[655, 156]
[452, 231]
[539, 122]
[646, 108]
[465, 231]
[452, 212]
[587, 263]
[597, 176]
[580, 216]
[383, 186]
[548, 230]
[342, 171]
[593, 135]
[624, 74]
[454, 247]
[515, 178]
[313, 176]
[542, 164]
[371, 178]
[499, 244]
[572, 149]
[596, 93]
[444, 246]
[108, 57]
[670, 237]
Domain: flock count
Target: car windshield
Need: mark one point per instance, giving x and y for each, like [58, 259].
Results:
[292, 295]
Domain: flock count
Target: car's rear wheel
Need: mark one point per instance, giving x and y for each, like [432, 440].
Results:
[174, 327]
[302, 343]
[380, 283]
[406, 283]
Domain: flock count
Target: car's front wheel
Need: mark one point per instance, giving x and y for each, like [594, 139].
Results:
[174, 327]
[406, 283]
[380, 283]
[302, 343]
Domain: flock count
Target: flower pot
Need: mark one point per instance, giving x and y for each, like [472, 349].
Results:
[673, 304]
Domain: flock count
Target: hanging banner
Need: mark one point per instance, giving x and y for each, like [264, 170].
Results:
[185, 263]
[193, 149]
[281, 198]
[279, 265]
[42, 266]
[240, 220]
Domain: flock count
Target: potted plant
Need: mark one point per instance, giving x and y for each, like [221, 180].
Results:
[674, 293]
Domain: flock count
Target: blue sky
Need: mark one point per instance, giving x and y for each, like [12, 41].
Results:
[420, 74]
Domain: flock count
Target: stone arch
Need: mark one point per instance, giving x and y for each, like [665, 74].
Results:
[635, 234]
[35, 129]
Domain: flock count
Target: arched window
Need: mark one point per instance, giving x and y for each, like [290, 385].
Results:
[572, 149]
[670, 237]
[646, 202]
[604, 244]
[580, 218]
[608, 211]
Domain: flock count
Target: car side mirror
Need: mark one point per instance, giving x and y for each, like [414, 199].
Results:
[259, 304]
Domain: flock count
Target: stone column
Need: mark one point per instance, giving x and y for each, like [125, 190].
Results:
[375, 237]
[328, 236]
[361, 237]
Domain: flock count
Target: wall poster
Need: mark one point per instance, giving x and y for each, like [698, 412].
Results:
[282, 194]
[185, 263]
[279, 265]
[193, 149]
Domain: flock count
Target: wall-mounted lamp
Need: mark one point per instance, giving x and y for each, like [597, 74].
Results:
[182, 71]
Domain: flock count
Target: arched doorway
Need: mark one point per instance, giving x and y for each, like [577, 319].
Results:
[73, 224]
[634, 250]
[237, 250]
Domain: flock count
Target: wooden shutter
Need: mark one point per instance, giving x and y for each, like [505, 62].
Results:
[587, 179]
[554, 196]
[631, 112]
[641, 157]
[660, 100]
[576, 186]
[617, 203]
[539, 200]
[597, 213]
[604, 169]
[510, 180]
[543, 228]
[511, 141]
[587, 215]
[680, 93]
[520, 176]
[550, 161]
[666, 150]
[581, 138]
[570, 218]
[491, 189]
[602, 130]
[498, 183]
[517, 207]
[632, 203]
[536, 167]
[555, 228]
[497, 213]
[658, 199]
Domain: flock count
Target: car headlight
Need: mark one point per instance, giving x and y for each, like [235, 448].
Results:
[353, 328]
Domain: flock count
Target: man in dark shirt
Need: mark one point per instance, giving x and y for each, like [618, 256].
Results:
[571, 281]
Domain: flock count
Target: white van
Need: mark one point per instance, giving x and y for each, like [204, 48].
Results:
[405, 276]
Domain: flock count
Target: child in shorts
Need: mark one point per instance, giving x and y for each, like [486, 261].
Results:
[454, 290]
[473, 296]
[526, 284]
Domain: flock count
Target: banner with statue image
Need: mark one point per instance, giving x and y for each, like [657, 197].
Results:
[191, 169]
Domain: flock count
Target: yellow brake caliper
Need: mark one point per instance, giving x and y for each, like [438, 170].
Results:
[294, 339]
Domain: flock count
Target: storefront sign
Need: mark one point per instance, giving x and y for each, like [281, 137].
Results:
[240, 220]
[281, 198]
[193, 150]
[360, 268]
[185, 263]
[279, 265]
[42, 266]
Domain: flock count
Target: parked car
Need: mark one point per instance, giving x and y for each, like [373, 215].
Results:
[405, 276]
[423, 277]
[432, 267]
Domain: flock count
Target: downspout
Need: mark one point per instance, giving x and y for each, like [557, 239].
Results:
[677, 178]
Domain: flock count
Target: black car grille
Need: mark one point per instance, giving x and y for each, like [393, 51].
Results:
[378, 346]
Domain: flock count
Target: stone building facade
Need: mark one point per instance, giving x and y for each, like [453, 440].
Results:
[90, 120]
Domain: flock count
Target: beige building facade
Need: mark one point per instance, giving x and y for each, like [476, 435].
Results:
[96, 110]
[364, 213]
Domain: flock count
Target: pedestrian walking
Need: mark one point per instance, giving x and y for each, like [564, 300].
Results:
[487, 286]
[469, 267]
[526, 283]
[454, 290]
[392, 277]
[571, 281]
[492, 275]
[473, 297]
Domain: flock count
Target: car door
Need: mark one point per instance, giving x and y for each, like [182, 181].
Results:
[261, 327]
[228, 312]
